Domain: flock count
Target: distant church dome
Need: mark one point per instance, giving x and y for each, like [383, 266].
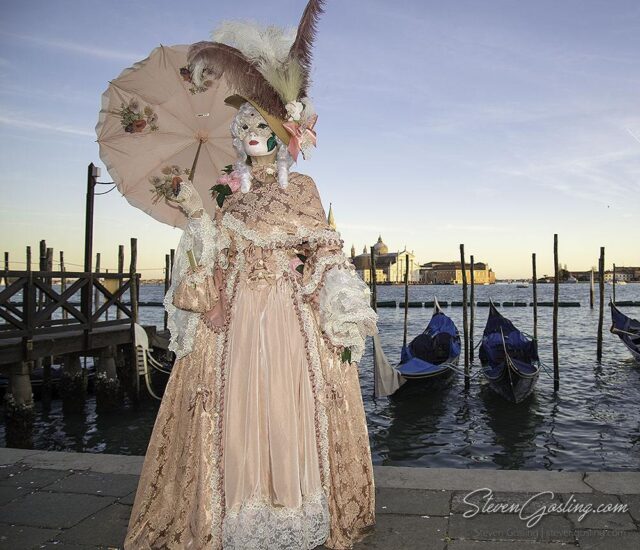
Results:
[380, 248]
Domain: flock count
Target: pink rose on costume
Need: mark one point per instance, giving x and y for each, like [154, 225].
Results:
[294, 264]
[232, 180]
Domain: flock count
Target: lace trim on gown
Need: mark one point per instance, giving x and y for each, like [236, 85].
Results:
[346, 316]
[258, 525]
[206, 240]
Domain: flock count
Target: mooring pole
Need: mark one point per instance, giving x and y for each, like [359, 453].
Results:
[374, 296]
[614, 284]
[406, 298]
[465, 325]
[591, 290]
[85, 296]
[472, 308]
[556, 292]
[601, 312]
[535, 297]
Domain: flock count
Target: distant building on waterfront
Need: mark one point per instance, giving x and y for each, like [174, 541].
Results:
[623, 273]
[450, 273]
[390, 266]
[627, 274]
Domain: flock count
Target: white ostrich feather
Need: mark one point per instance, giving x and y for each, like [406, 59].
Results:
[262, 45]
[267, 47]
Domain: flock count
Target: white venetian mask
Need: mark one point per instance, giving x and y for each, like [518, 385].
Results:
[258, 139]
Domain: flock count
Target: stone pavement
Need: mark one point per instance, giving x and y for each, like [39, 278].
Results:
[80, 501]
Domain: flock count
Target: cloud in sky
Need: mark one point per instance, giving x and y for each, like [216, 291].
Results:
[75, 48]
[24, 123]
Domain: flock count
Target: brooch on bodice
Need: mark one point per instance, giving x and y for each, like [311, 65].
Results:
[265, 173]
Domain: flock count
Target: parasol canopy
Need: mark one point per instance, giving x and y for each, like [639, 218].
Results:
[154, 122]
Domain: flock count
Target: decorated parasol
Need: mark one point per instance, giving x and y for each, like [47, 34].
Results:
[157, 128]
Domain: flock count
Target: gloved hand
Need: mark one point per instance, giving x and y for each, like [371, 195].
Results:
[189, 199]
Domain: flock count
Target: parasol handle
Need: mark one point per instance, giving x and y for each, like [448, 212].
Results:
[195, 161]
[192, 259]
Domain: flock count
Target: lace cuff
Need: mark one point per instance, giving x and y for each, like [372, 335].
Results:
[204, 238]
[321, 256]
[346, 316]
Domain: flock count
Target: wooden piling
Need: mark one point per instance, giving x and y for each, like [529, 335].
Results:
[472, 308]
[465, 325]
[19, 410]
[613, 290]
[73, 383]
[42, 266]
[374, 302]
[28, 254]
[132, 272]
[556, 292]
[120, 272]
[48, 360]
[63, 283]
[406, 298]
[374, 291]
[167, 278]
[591, 290]
[96, 293]
[535, 297]
[107, 383]
[601, 305]
[6, 268]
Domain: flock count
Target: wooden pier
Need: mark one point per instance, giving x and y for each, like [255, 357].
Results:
[40, 323]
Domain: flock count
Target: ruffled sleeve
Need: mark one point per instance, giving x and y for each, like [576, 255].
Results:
[330, 282]
[208, 242]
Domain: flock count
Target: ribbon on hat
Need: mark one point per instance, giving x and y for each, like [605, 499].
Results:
[302, 135]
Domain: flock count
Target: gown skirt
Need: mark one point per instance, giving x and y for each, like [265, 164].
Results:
[272, 487]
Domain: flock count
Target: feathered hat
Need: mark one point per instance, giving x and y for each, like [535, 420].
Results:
[268, 67]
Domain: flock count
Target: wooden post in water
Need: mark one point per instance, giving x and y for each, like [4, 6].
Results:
[614, 284]
[120, 272]
[472, 308]
[601, 312]
[6, 267]
[406, 298]
[133, 294]
[132, 273]
[167, 282]
[63, 283]
[28, 258]
[374, 291]
[96, 293]
[556, 292]
[535, 297]
[591, 290]
[42, 266]
[46, 361]
[465, 325]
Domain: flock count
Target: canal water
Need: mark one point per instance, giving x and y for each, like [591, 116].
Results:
[592, 423]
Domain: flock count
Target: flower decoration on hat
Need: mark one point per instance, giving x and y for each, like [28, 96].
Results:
[268, 67]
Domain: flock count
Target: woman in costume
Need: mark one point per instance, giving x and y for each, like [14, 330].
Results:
[261, 439]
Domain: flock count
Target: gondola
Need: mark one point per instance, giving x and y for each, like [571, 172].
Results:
[509, 358]
[432, 353]
[429, 358]
[627, 329]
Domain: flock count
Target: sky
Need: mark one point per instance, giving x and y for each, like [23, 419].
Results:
[494, 124]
